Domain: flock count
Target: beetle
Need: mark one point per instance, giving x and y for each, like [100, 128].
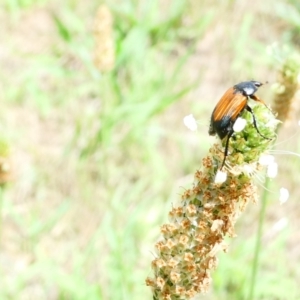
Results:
[230, 107]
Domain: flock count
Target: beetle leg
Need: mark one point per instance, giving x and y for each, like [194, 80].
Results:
[254, 121]
[255, 98]
[226, 148]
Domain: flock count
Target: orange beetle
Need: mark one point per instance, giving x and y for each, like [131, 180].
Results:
[229, 108]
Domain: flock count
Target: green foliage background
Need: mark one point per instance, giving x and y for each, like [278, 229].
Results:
[99, 158]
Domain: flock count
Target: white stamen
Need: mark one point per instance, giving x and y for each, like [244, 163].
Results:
[248, 169]
[280, 224]
[266, 159]
[190, 122]
[272, 170]
[284, 195]
[220, 177]
[272, 123]
[239, 124]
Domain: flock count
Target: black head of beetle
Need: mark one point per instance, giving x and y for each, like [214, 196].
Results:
[247, 88]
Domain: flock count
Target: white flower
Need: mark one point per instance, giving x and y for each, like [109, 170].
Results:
[284, 195]
[266, 159]
[299, 123]
[272, 170]
[190, 122]
[239, 124]
[220, 177]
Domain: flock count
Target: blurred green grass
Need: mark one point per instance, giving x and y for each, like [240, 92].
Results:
[101, 157]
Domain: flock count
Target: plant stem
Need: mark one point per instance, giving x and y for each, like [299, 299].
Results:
[258, 243]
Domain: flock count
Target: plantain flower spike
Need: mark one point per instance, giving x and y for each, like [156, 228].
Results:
[186, 253]
[104, 57]
[286, 87]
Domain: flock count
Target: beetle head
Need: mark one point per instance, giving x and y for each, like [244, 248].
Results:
[247, 88]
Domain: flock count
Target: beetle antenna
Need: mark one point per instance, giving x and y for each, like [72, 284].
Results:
[255, 98]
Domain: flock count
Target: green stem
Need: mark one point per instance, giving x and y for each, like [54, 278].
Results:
[255, 264]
